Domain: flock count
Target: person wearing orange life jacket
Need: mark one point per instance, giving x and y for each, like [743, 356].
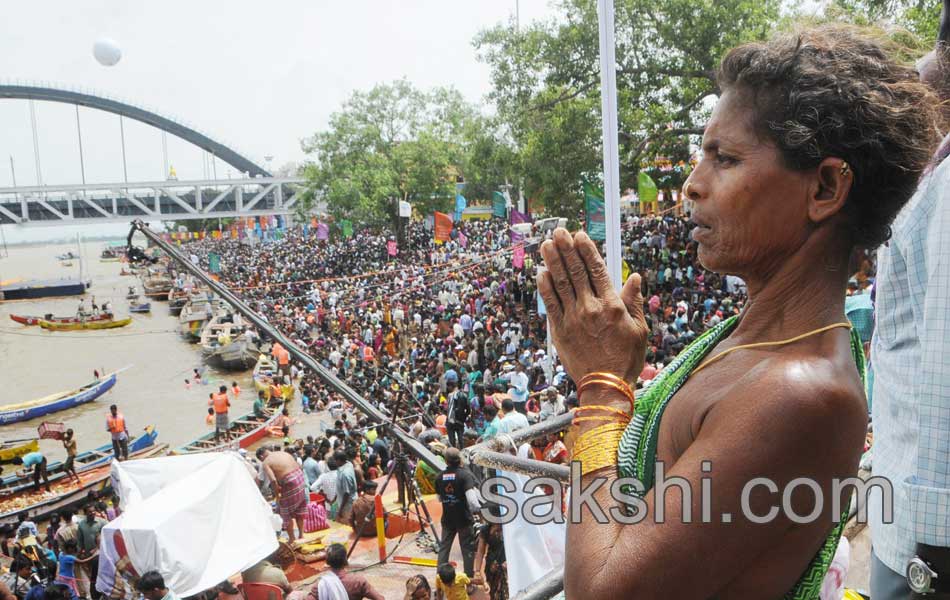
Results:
[115, 425]
[220, 403]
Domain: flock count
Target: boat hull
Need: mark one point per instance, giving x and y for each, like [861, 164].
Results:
[236, 356]
[90, 459]
[33, 289]
[14, 413]
[8, 453]
[141, 308]
[97, 480]
[30, 320]
[247, 429]
[85, 325]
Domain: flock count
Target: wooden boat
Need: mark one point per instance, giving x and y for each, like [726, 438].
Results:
[65, 494]
[141, 308]
[67, 256]
[264, 372]
[21, 411]
[177, 299]
[158, 287]
[194, 315]
[27, 320]
[90, 459]
[14, 448]
[225, 344]
[85, 325]
[67, 263]
[245, 431]
[125, 273]
[112, 253]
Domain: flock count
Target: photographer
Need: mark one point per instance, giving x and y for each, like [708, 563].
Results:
[20, 578]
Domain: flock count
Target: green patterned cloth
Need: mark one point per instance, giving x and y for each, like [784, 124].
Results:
[637, 453]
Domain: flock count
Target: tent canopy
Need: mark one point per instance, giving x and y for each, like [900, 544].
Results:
[196, 519]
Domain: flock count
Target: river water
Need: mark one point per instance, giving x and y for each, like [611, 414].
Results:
[152, 391]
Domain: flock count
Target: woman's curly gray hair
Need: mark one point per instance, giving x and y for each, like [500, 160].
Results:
[833, 91]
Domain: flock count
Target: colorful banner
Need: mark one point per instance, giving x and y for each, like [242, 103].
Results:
[462, 239]
[595, 212]
[647, 192]
[214, 262]
[519, 217]
[392, 248]
[262, 221]
[347, 226]
[499, 205]
[460, 205]
[323, 231]
[517, 258]
[443, 227]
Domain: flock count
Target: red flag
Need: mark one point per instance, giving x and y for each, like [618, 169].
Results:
[392, 247]
[443, 227]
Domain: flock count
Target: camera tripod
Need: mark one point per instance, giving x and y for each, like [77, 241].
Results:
[408, 493]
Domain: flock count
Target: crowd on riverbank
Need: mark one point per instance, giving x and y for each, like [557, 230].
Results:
[450, 336]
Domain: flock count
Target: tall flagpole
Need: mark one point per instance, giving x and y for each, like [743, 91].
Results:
[608, 103]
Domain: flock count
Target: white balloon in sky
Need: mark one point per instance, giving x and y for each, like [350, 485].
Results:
[107, 52]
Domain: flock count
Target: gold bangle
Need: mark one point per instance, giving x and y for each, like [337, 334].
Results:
[612, 442]
[607, 419]
[615, 383]
[605, 437]
[597, 458]
[603, 407]
[610, 380]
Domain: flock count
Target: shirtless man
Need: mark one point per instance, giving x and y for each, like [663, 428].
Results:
[289, 483]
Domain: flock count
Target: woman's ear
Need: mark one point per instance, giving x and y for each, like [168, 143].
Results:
[835, 178]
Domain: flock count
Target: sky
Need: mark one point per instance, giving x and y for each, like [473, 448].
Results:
[259, 76]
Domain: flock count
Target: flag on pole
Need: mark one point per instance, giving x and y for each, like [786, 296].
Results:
[460, 205]
[323, 231]
[214, 262]
[594, 208]
[392, 247]
[647, 192]
[347, 227]
[462, 239]
[443, 227]
[499, 205]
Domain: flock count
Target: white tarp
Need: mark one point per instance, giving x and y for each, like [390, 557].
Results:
[196, 519]
[535, 549]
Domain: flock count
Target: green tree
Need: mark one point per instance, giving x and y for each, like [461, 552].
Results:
[392, 143]
[546, 84]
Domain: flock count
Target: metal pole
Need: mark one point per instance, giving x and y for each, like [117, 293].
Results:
[517, 15]
[36, 145]
[125, 169]
[82, 165]
[214, 168]
[608, 103]
[334, 382]
[13, 174]
[165, 155]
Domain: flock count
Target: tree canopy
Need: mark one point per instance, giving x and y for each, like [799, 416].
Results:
[396, 142]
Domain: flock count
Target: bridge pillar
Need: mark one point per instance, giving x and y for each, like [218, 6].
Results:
[239, 198]
[198, 198]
